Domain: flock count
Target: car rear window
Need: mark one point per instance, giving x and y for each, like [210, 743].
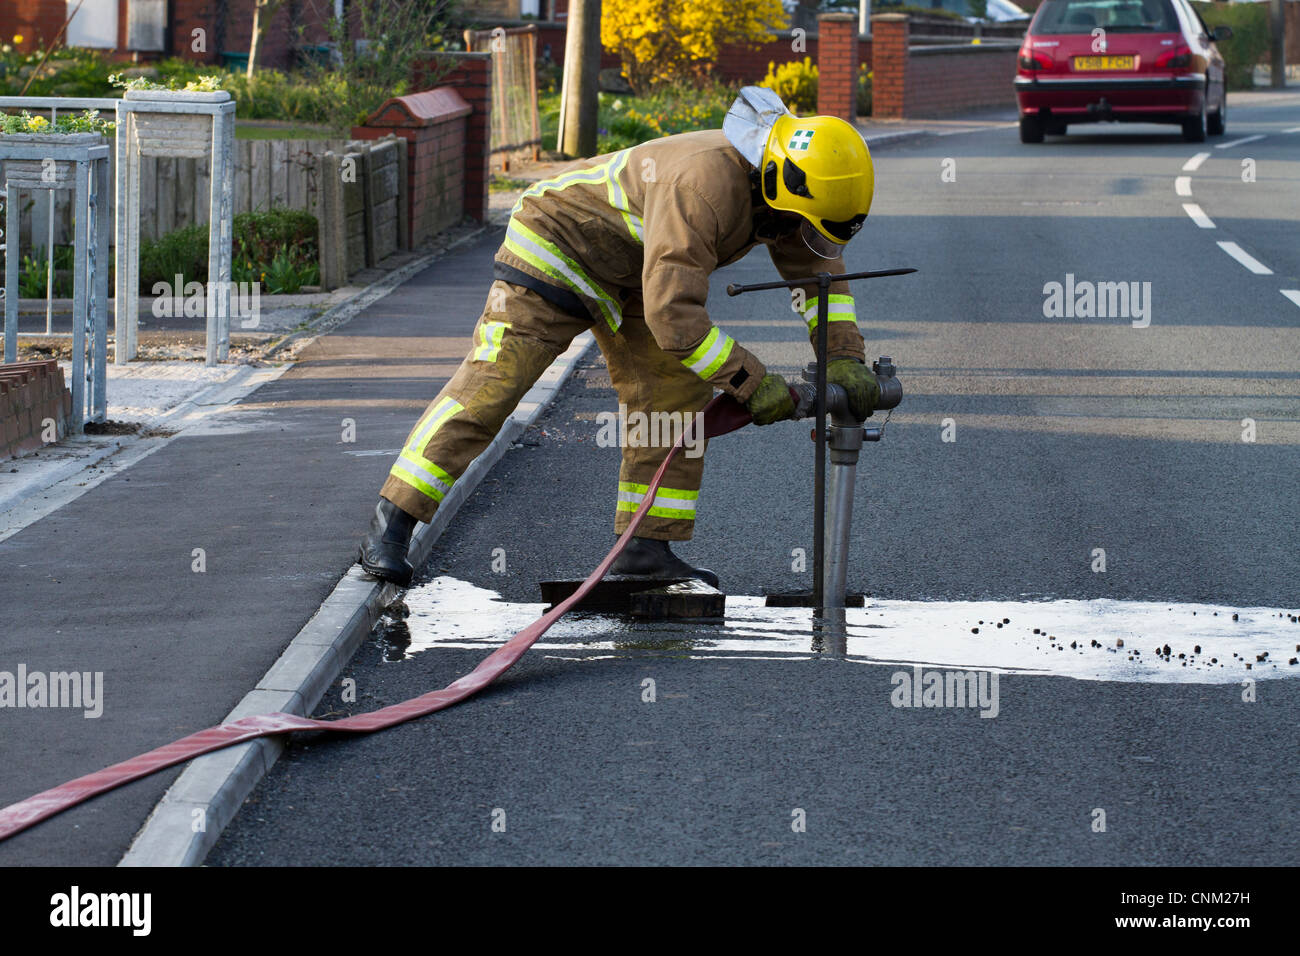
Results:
[1117, 16]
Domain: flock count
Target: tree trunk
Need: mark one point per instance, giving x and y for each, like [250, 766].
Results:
[264, 12]
[255, 45]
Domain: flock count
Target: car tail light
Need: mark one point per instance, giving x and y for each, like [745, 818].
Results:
[1177, 58]
[1033, 61]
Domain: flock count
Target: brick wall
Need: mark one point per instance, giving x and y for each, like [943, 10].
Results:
[837, 65]
[36, 21]
[30, 393]
[435, 126]
[1291, 12]
[734, 64]
[280, 41]
[958, 80]
[932, 81]
[471, 75]
[186, 17]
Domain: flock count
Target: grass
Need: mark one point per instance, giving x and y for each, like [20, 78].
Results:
[504, 184]
[261, 129]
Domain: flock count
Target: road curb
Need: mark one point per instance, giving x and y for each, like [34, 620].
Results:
[192, 814]
[887, 140]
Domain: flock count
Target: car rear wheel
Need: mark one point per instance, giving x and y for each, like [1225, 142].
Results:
[1217, 124]
[1031, 129]
[1194, 127]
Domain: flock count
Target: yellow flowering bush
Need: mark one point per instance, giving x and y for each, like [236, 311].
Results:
[662, 41]
[795, 83]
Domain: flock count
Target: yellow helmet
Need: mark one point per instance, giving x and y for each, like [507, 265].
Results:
[819, 167]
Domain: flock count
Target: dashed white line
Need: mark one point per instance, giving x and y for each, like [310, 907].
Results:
[1293, 129]
[1183, 185]
[1245, 258]
[1193, 164]
[1238, 142]
[1198, 215]
[1293, 295]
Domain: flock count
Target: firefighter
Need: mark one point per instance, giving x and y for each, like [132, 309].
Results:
[624, 244]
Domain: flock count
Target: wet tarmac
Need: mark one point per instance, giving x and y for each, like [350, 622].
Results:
[1107, 640]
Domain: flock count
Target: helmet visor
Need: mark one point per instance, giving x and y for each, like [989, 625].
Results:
[818, 243]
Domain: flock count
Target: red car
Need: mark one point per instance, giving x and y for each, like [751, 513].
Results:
[1137, 61]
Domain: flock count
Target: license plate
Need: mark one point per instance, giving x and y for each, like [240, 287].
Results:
[1103, 62]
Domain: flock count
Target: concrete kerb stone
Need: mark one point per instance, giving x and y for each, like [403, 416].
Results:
[900, 138]
[218, 783]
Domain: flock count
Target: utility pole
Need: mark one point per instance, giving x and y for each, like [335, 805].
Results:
[578, 91]
[1279, 44]
[864, 17]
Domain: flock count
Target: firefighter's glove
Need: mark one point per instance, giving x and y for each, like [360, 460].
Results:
[771, 401]
[857, 381]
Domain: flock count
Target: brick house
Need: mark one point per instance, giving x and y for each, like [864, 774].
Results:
[143, 30]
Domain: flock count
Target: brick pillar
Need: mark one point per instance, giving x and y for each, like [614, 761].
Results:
[837, 65]
[433, 124]
[889, 64]
[472, 77]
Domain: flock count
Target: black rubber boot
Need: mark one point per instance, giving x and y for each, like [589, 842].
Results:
[652, 558]
[383, 552]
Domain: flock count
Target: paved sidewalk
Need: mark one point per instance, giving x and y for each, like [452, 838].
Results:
[268, 500]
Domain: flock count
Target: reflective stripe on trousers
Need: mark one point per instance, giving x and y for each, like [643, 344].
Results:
[413, 468]
[668, 503]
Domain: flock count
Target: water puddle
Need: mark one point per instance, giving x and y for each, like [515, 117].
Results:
[1088, 640]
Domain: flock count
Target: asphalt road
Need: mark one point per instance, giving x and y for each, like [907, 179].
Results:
[1071, 434]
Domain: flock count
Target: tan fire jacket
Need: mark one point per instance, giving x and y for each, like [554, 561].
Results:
[658, 219]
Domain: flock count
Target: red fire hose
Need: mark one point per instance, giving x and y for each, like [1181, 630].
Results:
[722, 415]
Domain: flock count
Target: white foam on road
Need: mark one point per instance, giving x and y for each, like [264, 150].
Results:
[449, 613]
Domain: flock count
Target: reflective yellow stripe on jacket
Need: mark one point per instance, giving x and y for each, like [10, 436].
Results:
[839, 308]
[547, 258]
[711, 354]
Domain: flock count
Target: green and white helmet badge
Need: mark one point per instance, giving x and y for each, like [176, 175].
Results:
[801, 139]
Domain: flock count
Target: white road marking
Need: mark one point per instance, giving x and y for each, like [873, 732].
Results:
[1292, 294]
[1238, 142]
[1193, 164]
[1198, 215]
[1183, 185]
[1086, 640]
[1293, 129]
[1245, 258]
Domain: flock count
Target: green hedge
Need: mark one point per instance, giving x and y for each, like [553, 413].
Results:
[276, 247]
[1250, 38]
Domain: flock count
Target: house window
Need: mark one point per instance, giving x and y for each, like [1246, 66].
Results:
[95, 24]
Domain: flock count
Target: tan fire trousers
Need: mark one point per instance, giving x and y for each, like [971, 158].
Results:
[517, 337]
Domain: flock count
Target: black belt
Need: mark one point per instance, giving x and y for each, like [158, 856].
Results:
[555, 295]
